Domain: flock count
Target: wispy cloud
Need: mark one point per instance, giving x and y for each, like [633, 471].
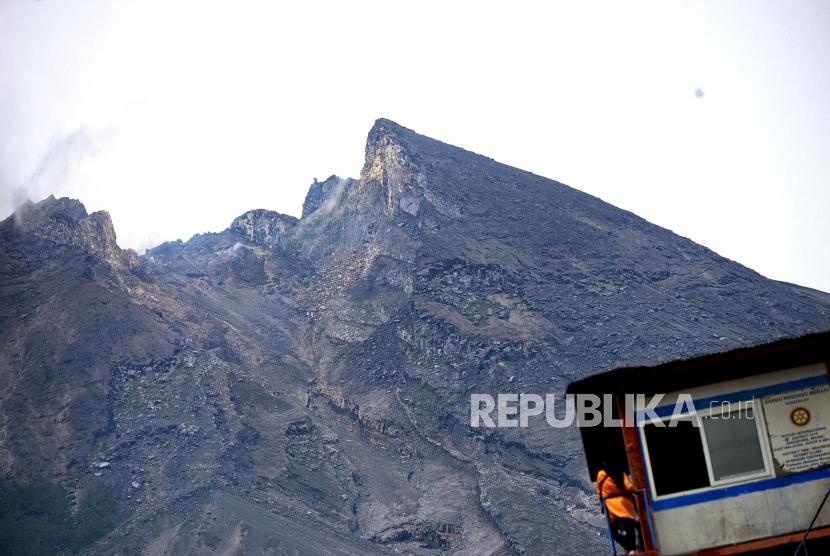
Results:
[56, 167]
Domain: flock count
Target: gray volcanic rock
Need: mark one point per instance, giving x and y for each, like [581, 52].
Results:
[323, 195]
[66, 222]
[265, 226]
[302, 386]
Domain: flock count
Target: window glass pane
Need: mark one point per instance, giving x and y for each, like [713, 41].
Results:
[734, 446]
[676, 457]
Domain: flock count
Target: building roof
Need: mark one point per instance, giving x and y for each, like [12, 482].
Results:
[707, 369]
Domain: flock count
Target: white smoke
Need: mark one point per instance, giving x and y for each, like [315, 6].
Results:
[329, 207]
[333, 199]
[56, 169]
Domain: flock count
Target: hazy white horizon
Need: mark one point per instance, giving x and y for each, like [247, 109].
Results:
[708, 118]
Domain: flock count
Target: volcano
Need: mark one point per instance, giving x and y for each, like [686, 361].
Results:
[302, 386]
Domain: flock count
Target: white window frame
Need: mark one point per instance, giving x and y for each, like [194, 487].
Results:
[763, 441]
[760, 428]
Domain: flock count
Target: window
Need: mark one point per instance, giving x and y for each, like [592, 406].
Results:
[734, 444]
[716, 446]
[676, 455]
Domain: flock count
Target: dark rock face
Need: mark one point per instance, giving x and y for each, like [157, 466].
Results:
[66, 222]
[303, 385]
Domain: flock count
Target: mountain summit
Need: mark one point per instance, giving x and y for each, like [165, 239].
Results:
[303, 385]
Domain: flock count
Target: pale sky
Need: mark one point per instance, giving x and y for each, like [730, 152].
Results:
[711, 118]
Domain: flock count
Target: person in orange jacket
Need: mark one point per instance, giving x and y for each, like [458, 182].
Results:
[615, 488]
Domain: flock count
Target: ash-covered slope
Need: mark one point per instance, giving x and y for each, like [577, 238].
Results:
[303, 385]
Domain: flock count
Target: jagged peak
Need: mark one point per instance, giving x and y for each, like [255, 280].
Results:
[387, 158]
[324, 195]
[56, 213]
[264, 226]
[65, 221]
[394, 156]
[30, 213]
[386, 132]
[263, 215]
[385, 125]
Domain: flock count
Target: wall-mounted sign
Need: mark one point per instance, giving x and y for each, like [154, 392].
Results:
[798, 423]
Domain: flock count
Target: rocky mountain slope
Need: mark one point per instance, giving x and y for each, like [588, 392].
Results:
[302, 385]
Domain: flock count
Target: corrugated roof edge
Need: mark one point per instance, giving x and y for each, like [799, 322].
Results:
[674, 375]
